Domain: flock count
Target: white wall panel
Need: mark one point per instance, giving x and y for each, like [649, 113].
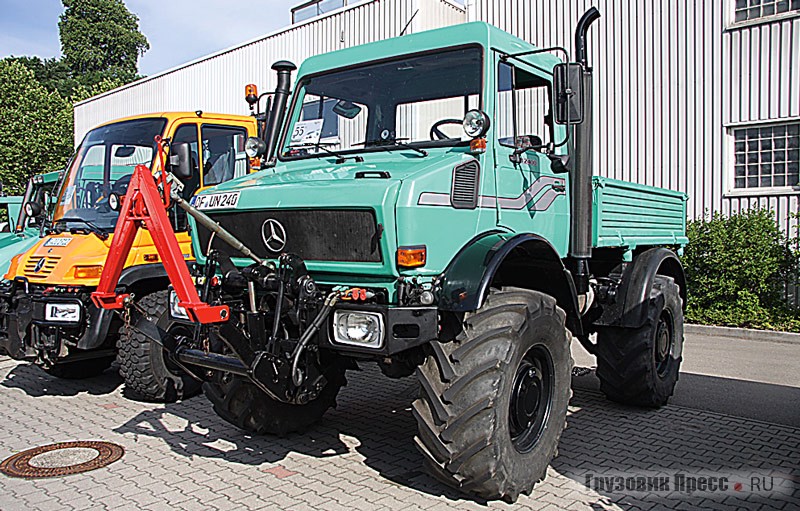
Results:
[216, 83]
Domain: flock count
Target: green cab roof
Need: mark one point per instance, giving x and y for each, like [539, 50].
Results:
[476, 32]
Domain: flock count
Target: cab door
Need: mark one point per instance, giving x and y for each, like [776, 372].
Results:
[531, 198]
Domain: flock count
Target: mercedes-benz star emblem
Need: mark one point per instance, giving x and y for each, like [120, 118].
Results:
[273, 234]
[39, 265]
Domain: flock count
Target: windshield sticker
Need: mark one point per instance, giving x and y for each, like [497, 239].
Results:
[57, 242]
[307, 132]
[69, 193]
[216, 200]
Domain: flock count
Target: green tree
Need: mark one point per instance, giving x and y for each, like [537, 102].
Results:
[100, 39]
[52, 73]
[35, 126]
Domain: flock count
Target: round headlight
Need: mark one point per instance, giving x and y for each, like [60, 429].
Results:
[113, 201]
[476, 123]
[255, 147]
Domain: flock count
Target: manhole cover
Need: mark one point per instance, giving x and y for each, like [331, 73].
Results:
[62, 459]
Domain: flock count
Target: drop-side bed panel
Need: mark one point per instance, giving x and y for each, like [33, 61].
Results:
[630, 215]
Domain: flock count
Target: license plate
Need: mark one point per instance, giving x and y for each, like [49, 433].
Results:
[62, 312]
[224, 200]
[57, 242]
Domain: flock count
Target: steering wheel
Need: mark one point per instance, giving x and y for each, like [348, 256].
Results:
[436, 133]
[120, 186]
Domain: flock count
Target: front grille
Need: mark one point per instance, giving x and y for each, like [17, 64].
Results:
[45, 268]
[314, 235]
[465, 185]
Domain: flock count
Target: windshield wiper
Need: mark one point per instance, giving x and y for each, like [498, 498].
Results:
[341, 158]
[391, 144]
[100, 233]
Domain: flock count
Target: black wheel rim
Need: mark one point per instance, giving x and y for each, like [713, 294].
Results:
[531, 398]
[664, 343]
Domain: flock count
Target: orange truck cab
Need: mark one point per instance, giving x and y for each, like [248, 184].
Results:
[46, 315]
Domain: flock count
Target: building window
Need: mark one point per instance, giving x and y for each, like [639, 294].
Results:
[314, 8]
[746, 10]
[767, 156]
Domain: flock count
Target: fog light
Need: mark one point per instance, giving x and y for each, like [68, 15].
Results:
[175, 310]
[358, 328]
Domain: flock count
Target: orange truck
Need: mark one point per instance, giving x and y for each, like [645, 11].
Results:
[46, 315]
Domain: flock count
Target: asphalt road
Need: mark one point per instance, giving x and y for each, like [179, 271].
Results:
[756, 379]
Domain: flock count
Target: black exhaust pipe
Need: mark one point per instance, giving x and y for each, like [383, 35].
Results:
[284, 69]
[580, 249]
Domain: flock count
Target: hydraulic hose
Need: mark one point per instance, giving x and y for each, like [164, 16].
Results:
[322, 315]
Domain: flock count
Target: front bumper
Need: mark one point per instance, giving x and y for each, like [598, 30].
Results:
[38, 322]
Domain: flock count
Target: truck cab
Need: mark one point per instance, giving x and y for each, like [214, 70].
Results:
[23, 229]
[46, 315]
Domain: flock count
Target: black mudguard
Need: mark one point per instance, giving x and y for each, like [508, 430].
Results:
[522, 260]
[628, 308]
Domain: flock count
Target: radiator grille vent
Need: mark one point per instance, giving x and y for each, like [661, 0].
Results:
[44, 265]
[313, 234]
[466, 177]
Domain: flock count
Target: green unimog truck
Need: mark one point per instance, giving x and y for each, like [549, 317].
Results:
[426, 203]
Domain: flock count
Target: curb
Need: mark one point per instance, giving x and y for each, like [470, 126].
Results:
[747, 334]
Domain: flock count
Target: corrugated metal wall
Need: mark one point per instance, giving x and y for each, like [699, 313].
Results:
[671, 78]
[216, 83]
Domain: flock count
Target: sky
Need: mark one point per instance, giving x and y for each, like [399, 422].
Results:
[178, 30]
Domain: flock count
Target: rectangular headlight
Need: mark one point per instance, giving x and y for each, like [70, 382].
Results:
[358, 328]
[63, 312]
[175, 310]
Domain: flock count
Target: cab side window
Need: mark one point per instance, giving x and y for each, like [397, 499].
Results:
[223, 154]
[187, 133]
[531, 96]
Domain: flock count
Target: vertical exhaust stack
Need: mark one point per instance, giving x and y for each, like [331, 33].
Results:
[284, 69]
[580, 246]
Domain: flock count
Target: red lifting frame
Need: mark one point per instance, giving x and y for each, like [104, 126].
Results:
[144, 208]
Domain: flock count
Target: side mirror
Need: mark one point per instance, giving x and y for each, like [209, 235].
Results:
[180, 160]
[568, 89]
[33, 209]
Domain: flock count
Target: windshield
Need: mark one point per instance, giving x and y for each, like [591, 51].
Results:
[406, 99]
[103, 164]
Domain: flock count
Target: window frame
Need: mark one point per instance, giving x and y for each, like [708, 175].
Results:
[729, 161]
[201, 165]
[732, 24]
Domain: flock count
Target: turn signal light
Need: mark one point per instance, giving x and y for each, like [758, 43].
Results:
[12, 269]
[477, 146]
[88, 272]
[411, 257]
[150, 258]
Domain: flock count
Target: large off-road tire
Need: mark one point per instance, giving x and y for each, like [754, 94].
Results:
[237, 400]
[493, 402]
[639, 366]
[143, 363]
[79, 369]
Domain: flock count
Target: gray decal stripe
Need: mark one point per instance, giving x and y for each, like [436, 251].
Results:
[517, 203]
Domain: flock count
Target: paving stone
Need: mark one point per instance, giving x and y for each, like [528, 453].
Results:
[362, 456]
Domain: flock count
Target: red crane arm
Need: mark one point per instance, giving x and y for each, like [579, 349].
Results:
[145, 208]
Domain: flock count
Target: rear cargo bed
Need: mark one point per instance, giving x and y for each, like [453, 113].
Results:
[630, 215]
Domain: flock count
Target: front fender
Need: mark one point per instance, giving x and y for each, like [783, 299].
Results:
[521, 260]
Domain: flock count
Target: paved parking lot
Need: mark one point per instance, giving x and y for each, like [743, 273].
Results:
[181, 456]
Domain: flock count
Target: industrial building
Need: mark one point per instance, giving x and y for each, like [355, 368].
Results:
[701, 97]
